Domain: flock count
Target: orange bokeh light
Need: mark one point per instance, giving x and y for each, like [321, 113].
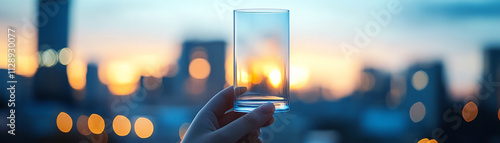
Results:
[121, 77]
[426, 140]
[143, 127]
[183, 129]
[96, 124]
[199, 68]
[64, 122]
[77, 73]
[121, 125]
[82, 125]
[469, 112]
[27, 64]
[498, 114]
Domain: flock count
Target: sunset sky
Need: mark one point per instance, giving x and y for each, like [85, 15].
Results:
[137, 33]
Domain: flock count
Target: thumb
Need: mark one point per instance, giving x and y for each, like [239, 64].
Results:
[246, 124]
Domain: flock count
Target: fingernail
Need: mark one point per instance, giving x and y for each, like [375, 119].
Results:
[267, 108]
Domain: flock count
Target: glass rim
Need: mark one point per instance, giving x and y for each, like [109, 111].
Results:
[261, 10]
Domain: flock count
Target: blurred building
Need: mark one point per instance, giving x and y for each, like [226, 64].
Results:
[491, 74]
[426, 97]
[485, 126]
[375, 86]
[51, 80]
[96, 96]
[201, 72]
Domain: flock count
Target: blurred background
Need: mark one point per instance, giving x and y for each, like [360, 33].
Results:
[361, 71]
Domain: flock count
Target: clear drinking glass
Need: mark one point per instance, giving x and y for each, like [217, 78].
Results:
[261, 58]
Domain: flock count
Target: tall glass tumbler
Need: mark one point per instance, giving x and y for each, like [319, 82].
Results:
[261, 59]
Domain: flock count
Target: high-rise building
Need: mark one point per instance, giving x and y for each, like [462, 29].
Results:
[491, 75]
[425, 93]
[201, 72]
[51, 80]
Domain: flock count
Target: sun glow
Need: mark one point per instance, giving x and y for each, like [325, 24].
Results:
[275, 78]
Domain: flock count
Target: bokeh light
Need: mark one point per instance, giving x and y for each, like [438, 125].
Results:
[121, 77]
[64, 122]
[65, 56]
[77, 73]
[143, 127]
[49, 58]
[27, 64]
[99, 138]
[199, 52]
[367, 81]
[195, 86]
[121, 125]
[424, 140]
[420, 80]
[82, 125]
[151, 83]
[275, 77]
[183, 129]
[417, 112]
[199, 68]
[96, 124]
[469, 112]
[397, 91]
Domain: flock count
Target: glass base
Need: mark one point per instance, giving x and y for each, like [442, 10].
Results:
[249, 105]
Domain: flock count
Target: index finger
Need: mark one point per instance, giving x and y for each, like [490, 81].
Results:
[223, 101]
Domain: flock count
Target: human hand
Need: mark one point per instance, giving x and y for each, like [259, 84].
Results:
[212, 124]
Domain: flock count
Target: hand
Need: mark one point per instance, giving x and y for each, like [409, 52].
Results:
[212, 124]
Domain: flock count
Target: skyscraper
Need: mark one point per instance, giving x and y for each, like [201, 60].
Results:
[51, 80]
[201, 72]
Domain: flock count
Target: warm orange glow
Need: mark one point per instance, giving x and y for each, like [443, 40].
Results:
[498, 114]
[149, 65]
[122, 89]
[229, 66]
[424, 140]
[121, 125]
[199, 68]
[469, 112]
[183, 129]
[122, 77]
[432, 141]
[77, 73]
[27, 64]
[26, 52]
[82, 125]
[243, 78]
[143, 127]
[122, 73]
[96, 124]
[327, 70]
[275, 78]
[299, 77]
[64, 122]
